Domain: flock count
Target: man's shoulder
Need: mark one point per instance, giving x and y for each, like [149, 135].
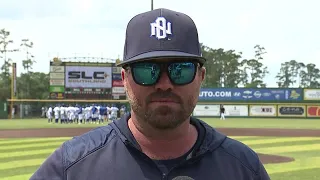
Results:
[242, 153]
[81, 146]
[232, 148]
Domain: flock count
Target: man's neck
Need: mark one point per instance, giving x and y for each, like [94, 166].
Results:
[160, 144]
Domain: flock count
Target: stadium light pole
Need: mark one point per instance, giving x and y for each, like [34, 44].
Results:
[151, 5]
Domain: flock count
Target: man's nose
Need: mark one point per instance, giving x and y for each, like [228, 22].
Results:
[164, 82]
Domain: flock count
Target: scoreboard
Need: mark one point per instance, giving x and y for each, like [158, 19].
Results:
[88, 93]
[85, 80]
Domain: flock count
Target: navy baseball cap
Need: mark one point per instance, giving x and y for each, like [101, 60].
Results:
[161, 33]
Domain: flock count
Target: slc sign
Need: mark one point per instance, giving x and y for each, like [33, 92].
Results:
[88, 77]
[250, 94]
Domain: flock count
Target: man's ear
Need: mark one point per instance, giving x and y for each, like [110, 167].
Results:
[123, 74]
[203, 73]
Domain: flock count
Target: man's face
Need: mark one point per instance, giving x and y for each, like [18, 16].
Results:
[163, 105]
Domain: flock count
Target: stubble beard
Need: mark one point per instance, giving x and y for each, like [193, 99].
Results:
[162, 117]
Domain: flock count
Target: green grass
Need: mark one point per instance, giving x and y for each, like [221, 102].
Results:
[265, 123]
[17, 164]
[20, 157]
[37, 123]
[305, 151]
[215, 122]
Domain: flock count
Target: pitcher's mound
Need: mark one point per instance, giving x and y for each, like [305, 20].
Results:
[273, 159]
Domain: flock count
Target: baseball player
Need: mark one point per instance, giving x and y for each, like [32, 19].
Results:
[76, 114]
[162, 71]
[109, 112]
[63, 114]
[122, 111]
[94, 114]
[222, 112]
[80, 115]
[56, 111]
[49, 114]
[88, 114]
[114, 112]
[102, 110]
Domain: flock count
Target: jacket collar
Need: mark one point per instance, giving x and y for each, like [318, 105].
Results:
[208, 137]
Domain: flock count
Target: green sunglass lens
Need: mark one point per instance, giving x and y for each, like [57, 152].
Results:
[182, 73]
[146, 73]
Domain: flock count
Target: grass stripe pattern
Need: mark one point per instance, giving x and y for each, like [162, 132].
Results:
[19, 158]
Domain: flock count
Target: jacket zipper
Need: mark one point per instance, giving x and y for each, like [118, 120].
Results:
[163, 175]
[191, 160]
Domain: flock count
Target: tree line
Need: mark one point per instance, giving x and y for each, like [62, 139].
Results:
[29, 84]
[225, 68]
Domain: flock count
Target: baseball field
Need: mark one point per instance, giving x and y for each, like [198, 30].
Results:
[289, 148]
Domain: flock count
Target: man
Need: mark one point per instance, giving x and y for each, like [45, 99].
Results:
[76, 110]
[49, 114]
[158, 140]
[222, 111]
[122, 111]
[43, 112]
[102, 110]
[63, 114]
[80, 115]
[56, 111]
[114, 112]
[106, 113]
[88, 113]
[94, 114]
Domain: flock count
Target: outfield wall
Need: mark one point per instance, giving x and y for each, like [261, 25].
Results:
[259, 110]
[259, 102]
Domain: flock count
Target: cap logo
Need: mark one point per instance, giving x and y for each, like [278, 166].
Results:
[161, 28]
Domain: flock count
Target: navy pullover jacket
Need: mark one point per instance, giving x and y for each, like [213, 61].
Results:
[111, 153]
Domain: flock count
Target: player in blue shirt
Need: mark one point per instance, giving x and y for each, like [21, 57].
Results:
[101, 114]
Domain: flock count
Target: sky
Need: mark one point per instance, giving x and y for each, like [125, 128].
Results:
[288, 29]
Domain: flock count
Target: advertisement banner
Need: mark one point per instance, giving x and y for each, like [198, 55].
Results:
[292, 110]
[206, 110]
[57, 89]
[263, 110]
[116, 77]
[313, 111]
[57, 69]
[236, 110]
[56, 82]
[250, 94]
[117, 83]
[312, 94]
[116, 70]
[88, 96]
[86, 64]
[119, 96]
[118, 90]
[56, 75]
[98, 91]
[88, 77]
[54, 95]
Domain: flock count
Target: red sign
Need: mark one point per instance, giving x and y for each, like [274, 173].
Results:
[313, 111]
[117, 83]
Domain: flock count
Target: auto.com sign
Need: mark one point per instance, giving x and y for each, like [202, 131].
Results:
[88, 77]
